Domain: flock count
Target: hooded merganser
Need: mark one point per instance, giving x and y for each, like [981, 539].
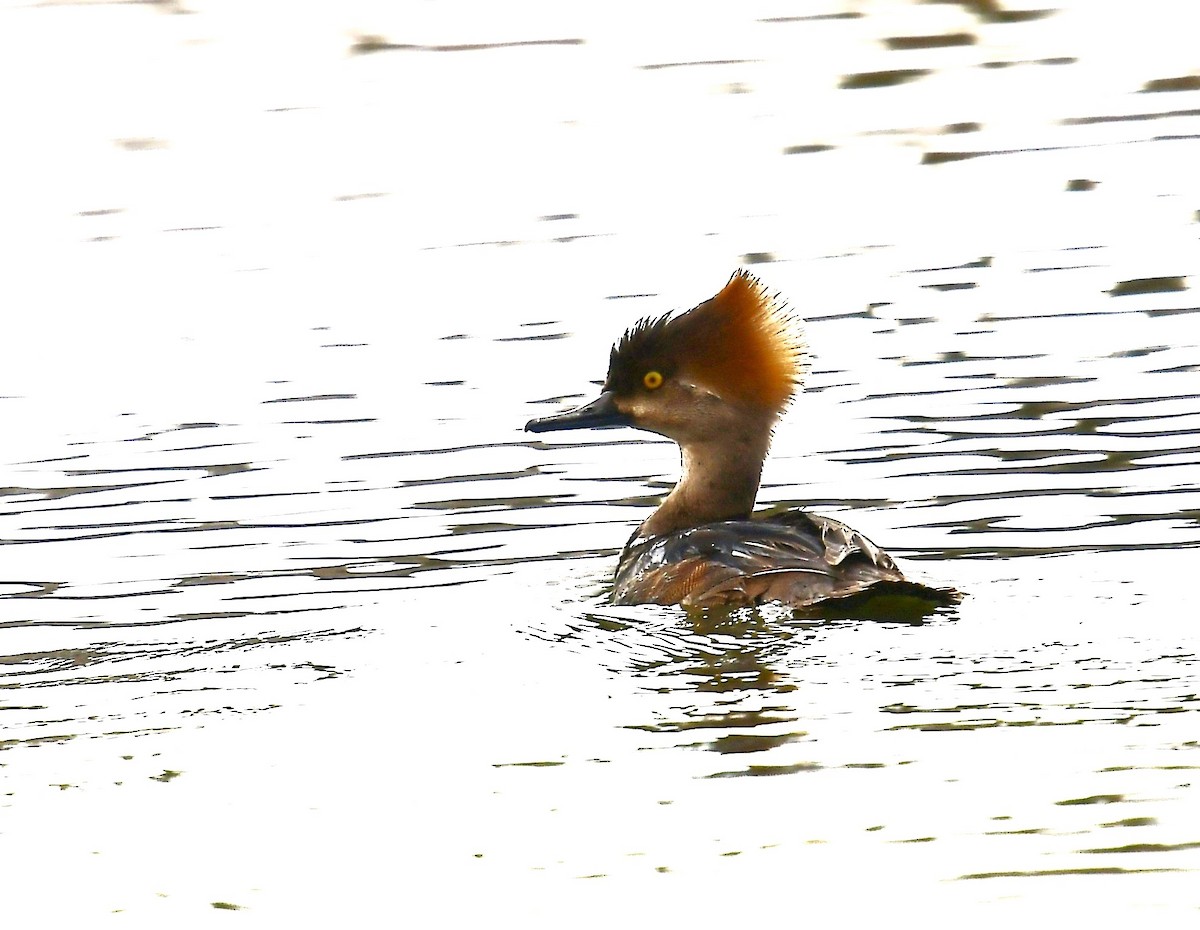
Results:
[716, 379]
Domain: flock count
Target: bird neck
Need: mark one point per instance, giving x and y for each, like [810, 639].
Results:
[719, 482]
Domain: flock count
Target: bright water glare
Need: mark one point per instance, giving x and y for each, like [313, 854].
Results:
[296, 621]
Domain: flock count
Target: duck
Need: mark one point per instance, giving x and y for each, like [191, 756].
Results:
[716, 379]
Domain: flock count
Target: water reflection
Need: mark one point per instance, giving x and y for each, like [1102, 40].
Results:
[719, 670]
[263, 432]
[758, 685]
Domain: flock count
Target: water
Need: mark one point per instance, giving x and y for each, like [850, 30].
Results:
[295, 619]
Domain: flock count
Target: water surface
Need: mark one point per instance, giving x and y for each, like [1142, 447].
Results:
[295, 619]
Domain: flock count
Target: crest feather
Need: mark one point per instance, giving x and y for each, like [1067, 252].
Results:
[743, 343]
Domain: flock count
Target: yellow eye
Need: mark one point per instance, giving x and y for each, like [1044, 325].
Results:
[652, 380]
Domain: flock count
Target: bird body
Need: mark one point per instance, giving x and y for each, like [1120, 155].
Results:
[716, 379]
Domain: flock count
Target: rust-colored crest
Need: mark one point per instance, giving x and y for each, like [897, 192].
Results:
[743, 344]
